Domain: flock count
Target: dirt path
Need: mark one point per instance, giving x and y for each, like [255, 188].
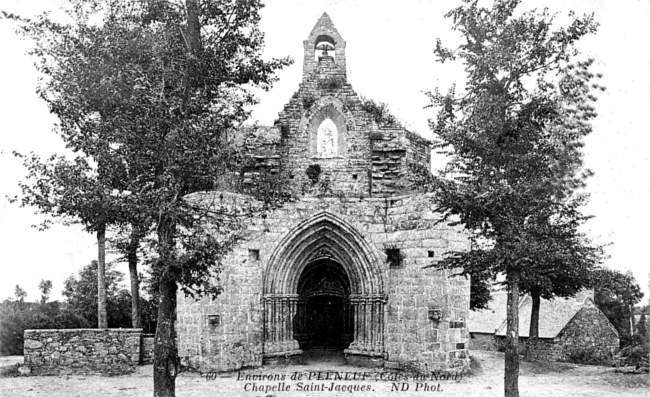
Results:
[536, 379]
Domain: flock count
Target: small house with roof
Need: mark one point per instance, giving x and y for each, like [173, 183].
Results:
[573, 330]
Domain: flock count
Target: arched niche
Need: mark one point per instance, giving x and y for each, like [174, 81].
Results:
[327, 139]
[327, 133]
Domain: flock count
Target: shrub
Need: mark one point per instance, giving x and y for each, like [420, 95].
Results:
[308, 101]
[378, 111]
[10, 371]
[586, 356]
[313, 173]
[638, 356]
[330, 83]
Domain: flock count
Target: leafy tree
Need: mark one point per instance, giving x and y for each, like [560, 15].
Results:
[74, 192]
[514, 142]
[616, 294]
[79, 310]
[128, 242]
[151, 94]
[564, 263]
[642, 328]
[480, 293]
[45, 287]
[17, 316]
[81, 295]
[20, 293]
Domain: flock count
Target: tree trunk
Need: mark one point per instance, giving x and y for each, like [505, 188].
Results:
[102, 318]
[165, 352]
[193, 43]
[632, 321]
[132, 257]
[193, 27]
[511, 379]
[533, 332]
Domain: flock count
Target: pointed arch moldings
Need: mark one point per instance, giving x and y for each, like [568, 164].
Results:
[324, 233]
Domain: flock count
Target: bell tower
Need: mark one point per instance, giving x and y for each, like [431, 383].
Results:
[324, 42]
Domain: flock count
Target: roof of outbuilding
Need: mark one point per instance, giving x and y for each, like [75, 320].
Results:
[489, 320]
[554, 315]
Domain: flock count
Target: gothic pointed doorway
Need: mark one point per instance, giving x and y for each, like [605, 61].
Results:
[323, 319]
[323, 289]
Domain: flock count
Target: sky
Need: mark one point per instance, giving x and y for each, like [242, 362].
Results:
[390, 59]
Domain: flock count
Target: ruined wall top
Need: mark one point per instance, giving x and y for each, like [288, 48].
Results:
[328, 140]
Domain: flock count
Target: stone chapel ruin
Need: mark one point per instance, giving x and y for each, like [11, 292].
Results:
[346, 266]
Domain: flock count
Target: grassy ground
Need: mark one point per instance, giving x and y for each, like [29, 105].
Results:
[536, 379]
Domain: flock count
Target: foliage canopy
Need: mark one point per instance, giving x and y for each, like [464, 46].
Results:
[514, 140]
[148, 94]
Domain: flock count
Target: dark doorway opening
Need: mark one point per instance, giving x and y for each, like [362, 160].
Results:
[324, 319]
[325, 322]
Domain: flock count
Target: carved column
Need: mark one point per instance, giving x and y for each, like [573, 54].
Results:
[373, 323]
[355, 306]
[280, 311]
[282, 321]
[368, 324]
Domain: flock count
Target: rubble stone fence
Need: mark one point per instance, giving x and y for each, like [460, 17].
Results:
[83, 351]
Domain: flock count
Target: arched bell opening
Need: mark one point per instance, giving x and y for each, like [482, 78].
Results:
[325, 46]
[324, 319]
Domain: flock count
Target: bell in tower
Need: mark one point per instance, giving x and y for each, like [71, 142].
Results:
[324, 43]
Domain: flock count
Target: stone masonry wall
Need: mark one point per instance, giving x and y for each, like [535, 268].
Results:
[479, 341]
[82, 351]
[372, 160]
[589, 337]
[146, 350]
[226, 333]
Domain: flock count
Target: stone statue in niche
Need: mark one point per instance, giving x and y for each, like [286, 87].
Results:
[327, 139]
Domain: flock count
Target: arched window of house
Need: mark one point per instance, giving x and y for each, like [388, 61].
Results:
[327, 139]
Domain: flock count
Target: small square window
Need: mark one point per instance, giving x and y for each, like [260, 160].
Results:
[430, 254]
[354, 176]
[254, 255]
[214, 320]
[435, 314]
[394, 257]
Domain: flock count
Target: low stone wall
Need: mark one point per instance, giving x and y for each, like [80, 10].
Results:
[82, 351]
[547, 349]
[146, 356]
[579, 350]
[480, 341]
